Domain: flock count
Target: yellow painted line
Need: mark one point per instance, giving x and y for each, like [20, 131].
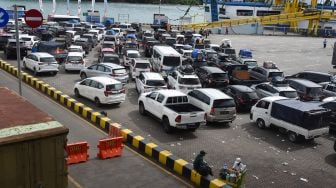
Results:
[195, 177]
[163, 156]
[124, 133]
[103, 121]
[187, 184]
[49, 89]
[94, 116]
[216, 183]
[73, 181]
[149, 148]
[44, 86]
[70, 101]
[85, 110]
[32, 81]
[62, 98]
[136, 140]
[77, 105]
[39, 83]
[116, 125]
[57, 92]
[178, 165]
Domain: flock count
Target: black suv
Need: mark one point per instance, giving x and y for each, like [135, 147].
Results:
[317, 77]
[212, 77]
[4, 39]
[10, 49]
[244, 96]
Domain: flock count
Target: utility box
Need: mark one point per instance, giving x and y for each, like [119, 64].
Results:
[32, 145]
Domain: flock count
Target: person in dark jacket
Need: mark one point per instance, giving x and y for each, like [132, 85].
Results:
[201, 166]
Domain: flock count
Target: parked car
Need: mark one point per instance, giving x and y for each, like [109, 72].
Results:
[29, 40]
[92, 39]
[240, 75]
[139, 65]
[149, 81]
[84, 42]
[184, 82]
[56, 49]
[107, 44]
[74, 61]
[314, 76]
[101, 90]
[251, 63]
[4, 39]
[106, 69]
[129, 55]
[218, 106]
[306, 89]
[268, 89]
[173, 109]
[39, 62]
[266, 72]
[75, 48]
[244, 96]
[300, 120]
[110, 58]
[97, 33]
[212, 77]
[10, 49]
[329, 89]
[331, 119]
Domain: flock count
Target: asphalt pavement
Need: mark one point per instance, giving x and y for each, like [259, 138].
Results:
[272, 160]
[129, 170]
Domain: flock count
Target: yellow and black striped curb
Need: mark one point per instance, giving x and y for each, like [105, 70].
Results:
[138, 142]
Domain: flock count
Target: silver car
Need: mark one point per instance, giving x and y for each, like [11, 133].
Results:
[106, 69]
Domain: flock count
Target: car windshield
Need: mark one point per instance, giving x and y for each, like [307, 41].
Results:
[230, 51]
[133, 55]
[217, 49]
[74, 58]
[222, 58]
[111, 59]
[47, 59]
[274, 74]
[155, 82]
[171, 61]
[314, 92]
[251, 63]
[223, 103]
[75, 50]
[25, 39]
[114, 87]
[288, 94]
[188, 81]
[108, 45]
[220, 76]
[142, 65]
[249, 95]
[119, 71]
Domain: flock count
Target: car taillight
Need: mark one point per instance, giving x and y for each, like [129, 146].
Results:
[205, 116]
[178, 119]
[212, 111]
[240, 100]
[107, 93]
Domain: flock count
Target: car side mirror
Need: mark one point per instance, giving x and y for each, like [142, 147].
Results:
[148, 95]
[89, 68]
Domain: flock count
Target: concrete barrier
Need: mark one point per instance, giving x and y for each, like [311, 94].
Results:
[149, 149]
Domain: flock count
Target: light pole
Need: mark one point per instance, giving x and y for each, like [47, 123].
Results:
[160, 7]
[18, 57]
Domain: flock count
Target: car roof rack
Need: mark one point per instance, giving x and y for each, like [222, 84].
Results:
[270, 65]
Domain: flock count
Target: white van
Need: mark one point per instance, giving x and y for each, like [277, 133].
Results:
[165, 59]
[218, 106]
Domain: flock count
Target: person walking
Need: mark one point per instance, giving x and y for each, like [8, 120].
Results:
[325, 43]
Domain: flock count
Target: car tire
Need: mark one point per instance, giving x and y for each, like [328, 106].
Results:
[83, 76]
[166, 125]
[261, 123]
[293, 137]
[193, 129]
[97, 102]
[142, 109]
[77, 94]
[282, 130]
[335, 146]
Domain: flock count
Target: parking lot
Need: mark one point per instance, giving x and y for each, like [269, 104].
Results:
[272, 160]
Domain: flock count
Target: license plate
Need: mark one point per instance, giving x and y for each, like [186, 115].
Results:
[224, 112]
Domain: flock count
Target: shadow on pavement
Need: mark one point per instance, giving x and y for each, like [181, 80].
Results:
[331, 159]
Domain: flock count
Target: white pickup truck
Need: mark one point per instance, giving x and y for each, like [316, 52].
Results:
[173, 109]
[298, 119]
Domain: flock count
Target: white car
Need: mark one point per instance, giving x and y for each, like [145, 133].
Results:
[149, 81]
[130, 54]
[41, 62]
[74, 61]
[183, 82]
[96, 32]
[139, 65]
[73, 34]
[101, 90]
[75, 48]
[29, 40]
[117, 31]
[268, 89]
[218, 106]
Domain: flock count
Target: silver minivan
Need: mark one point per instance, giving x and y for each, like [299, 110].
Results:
[218, 106]
[106, 69]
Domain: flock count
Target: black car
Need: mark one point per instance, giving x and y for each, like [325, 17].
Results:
[331, 119]
[220, 61]
[317, 77]
[57, 49]
[244, 96]
[84, 43]
[212, 77]
[10, 49]
[4, 39]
